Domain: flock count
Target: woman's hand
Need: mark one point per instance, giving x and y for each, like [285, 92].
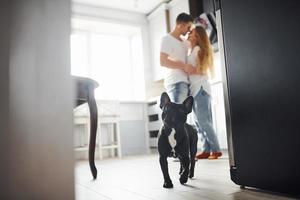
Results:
[189, 69]
[196, 72]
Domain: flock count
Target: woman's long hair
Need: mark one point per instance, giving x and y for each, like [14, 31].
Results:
[205, 63]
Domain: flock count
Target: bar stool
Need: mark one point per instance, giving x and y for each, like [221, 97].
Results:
[109, 117]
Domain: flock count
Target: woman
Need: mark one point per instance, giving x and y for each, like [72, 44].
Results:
[201, 57]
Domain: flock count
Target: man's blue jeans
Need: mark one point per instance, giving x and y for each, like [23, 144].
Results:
[178, 92]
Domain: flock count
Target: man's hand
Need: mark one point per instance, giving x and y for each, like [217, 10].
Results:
[189, 69]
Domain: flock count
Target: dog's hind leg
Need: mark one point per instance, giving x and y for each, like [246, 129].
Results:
[181, 169]
[185, 160]
[164, 168]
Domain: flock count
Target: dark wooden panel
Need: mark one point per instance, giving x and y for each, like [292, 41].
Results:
[4, 91]
[262, 56]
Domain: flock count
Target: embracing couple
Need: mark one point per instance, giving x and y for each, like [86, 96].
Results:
[190, 64]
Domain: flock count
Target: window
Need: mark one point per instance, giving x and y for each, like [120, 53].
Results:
[79, 54]
[113, 58]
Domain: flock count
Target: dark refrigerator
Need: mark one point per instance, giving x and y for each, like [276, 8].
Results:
[259, 43]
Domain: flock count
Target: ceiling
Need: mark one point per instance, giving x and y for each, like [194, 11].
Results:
[103, 28]
[138, 6]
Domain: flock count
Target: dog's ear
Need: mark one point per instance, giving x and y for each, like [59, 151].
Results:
[188, 104]
[164, 99]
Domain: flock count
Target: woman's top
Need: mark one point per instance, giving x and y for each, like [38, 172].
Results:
[196, 80]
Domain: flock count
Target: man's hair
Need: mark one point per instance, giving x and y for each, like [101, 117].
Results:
[184, 18]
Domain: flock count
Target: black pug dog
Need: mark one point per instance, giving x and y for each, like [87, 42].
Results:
[177, 139]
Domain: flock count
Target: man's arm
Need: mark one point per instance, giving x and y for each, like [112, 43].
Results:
[166, 62]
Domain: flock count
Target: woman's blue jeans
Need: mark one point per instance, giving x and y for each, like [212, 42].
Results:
[204, 123]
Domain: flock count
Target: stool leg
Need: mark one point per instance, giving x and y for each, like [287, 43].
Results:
[118, 139]
[112, 138]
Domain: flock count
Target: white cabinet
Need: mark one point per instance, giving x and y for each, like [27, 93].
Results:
[154, 121]
[175, 8]
[133, 128]
[158, 28]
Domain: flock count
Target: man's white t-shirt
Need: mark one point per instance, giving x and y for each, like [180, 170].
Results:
[197, 81]
[177, 50]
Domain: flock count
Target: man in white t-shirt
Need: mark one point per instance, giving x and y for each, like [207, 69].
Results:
[173, 55]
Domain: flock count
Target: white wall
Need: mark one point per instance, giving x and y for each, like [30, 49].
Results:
[36, 150]
[158, 28]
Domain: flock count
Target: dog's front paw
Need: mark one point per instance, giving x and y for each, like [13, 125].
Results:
[183, 179]
[168, 184]
[191, 175]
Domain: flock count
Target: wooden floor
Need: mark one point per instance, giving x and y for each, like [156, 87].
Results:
[140, 178]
